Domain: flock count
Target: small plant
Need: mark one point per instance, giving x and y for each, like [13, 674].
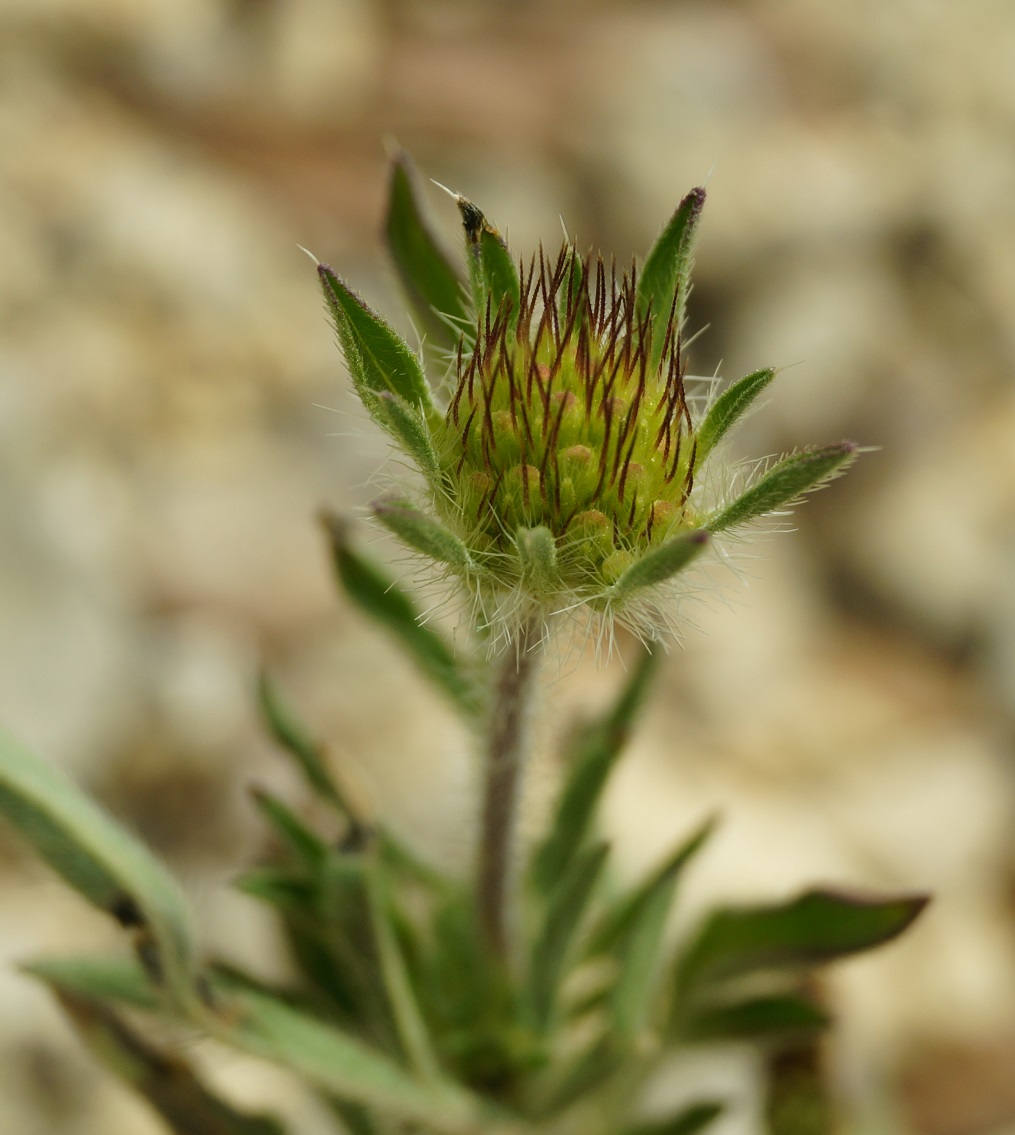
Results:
[566, 471]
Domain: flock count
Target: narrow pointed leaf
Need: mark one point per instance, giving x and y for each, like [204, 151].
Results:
[666, 277]
[409, 429]
[427, 276]
[424, 533]
[379, 360]
[278, 888]
[493, 273]
[778, 1017]
[565, 909]
[590, 759]
[338, 1063]
[291, 735]
[784, 484]
[637, 930]
[622, 918]
[114, 980]
[688, 1121]
[98, 858]
[307, 846]
[168, 1083]
[412, 1029]
[727, 410]
[660, 564]
[378, 596]
[819, 926]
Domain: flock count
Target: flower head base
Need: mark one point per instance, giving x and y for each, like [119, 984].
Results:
[564, 471]
[560, 419]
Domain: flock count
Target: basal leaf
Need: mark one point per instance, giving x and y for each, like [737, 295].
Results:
[306, 846]
[819, 926]
[776, 1017]
[590, 759]
[97, 857]
[113, 980]
[687, 1121]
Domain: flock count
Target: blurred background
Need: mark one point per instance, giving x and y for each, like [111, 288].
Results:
[173, 412]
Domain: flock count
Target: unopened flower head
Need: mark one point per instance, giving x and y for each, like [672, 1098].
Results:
[564, 468]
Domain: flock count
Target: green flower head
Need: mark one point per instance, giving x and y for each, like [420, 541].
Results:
[566, 461]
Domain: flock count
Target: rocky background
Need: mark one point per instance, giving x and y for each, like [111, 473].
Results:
[173, 411]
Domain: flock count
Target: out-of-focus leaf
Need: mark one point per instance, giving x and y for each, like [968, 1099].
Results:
[493, 273]
[97, 857]
[409, 1023]
[565, 908]
[378, 596]
[666, 277]
[590, 762]
[429, 279]
[727, 410]
[660, 564]
[378, 358]
[757, 1018]
[785, 483]
[109, 979]
[288, 732]
[306, 845]
[819, 926]
[636, 931]
[168, 1083]
[687, 1121]
[342, 1065]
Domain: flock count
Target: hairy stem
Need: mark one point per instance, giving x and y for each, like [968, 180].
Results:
[507, 749]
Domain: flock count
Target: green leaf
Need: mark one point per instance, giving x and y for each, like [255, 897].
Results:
[727, 410]
[819, 926]
[422, 532]
[687, 1121]
[98, 858]
[288, 732]
[660, 564]
[336, 1062]
[590, 759]
[429, 280]
[409, 429]
[279, 889]
[565, 909]
[307, 846]
[634, 930]
[755, 1019]
[493, 273]
[666, 278]
[110, 979]
[379, 597]
[168, 1083]
[379, 360]
[784, 484]
[412, 1029]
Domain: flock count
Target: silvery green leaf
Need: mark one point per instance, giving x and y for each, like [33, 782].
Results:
[409, 429]
[660, 564]
[727, 410]
[115, 980]
[423, 533]
[784, 484]
[98, 858]
[378, 359]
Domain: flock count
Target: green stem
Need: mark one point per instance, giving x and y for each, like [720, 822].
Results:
[505, 764]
